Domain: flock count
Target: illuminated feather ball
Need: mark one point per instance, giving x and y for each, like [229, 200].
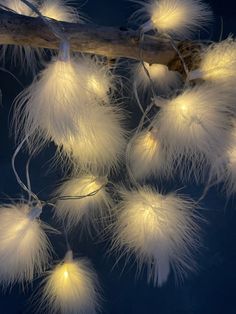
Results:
[60, 10]
[177, 18]
[50, 108]
[195, 125]
[71, 288]
[83, 199]
[145, 156]
[164, 80]
[162, 231]
[99, 146]
[218, 63]
[24, 246]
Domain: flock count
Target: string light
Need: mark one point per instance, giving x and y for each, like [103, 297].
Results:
[162, 232]
[60, 10]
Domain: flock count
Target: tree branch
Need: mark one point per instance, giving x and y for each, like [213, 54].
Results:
[106, 41]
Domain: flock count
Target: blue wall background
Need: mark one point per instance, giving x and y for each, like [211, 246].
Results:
[211, 291]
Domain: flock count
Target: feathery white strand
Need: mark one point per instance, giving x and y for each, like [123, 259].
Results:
[89, 209]
[51, 107]
[177, 18]
[161, 230]
[164, 81]
[19, 7]
[224, 167]
[195, 125]
[145, 156]
[72, 288]
[100, 144]
[24, 246]
[218, 63]
[60, 10]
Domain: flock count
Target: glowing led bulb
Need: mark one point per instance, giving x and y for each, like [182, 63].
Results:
[97, 87]
[91, 203]
[72, 287]
[161, 230]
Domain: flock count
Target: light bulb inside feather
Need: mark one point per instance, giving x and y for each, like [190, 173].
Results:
[60, 10]
[178, 18]
[91, 204]
[195, 125]
[161, 230]
[218, 63]
[24, 246]
[71, 288]
[164, 81]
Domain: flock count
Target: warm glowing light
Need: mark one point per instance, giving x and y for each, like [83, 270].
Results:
[91, 205]
[19, 7]
[218, 63]
[59, 10]
[161, 230]
[194, 125]
[71, 288]
[163, 80]
[145, 156]
[97, 87]
[24, 247]
[174, 17]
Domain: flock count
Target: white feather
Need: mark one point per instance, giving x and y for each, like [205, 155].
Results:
[145, 156]
[163, 81]
[177, 18]
[24, 246]
[91, 205]
[71, 288]
[161, 230]
[218, 63]
[195, 126]
[60, 10]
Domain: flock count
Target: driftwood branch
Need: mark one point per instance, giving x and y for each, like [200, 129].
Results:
[89, 38]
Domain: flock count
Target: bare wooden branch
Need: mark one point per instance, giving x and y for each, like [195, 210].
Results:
[106, 41]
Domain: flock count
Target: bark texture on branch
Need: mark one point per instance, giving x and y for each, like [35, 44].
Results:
[106, 41]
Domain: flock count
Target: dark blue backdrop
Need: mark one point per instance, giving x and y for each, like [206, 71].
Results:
[211, 291]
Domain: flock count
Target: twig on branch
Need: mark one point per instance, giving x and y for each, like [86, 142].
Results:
[89, 38]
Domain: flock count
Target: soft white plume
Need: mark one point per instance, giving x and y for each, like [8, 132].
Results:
[60, 10]
[71, 288]
[178, 18]
[83, 199]
[145, 156]
[161, 230]
[195, 125]
[162, 80]
[218, 63]
[24, 246]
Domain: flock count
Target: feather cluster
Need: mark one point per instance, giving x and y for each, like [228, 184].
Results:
[161, 230]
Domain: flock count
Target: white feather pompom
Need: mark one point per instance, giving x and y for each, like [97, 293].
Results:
[178, 18]
[83, 199]
[71, 288]
[218, 63]
[163, 80]
[100, 144]
[224, 167]
[60, 10]
[195, 125]
[161, 230]
[145, 156]
[19, 7]
[51, 107]
[24, 246]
